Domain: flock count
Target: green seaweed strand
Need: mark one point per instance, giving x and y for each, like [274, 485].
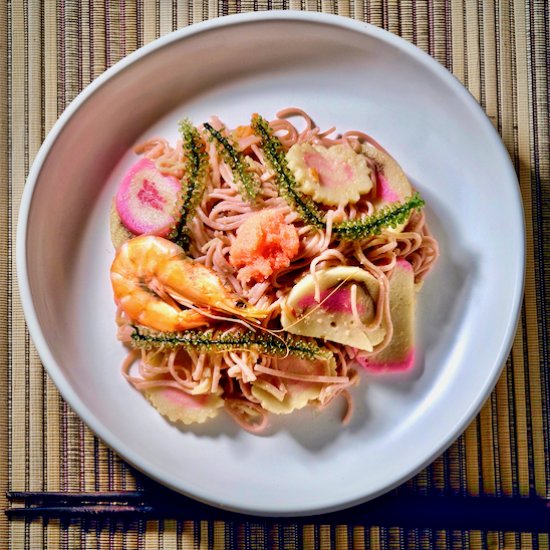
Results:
[194, 180]
[274, 153]
[210, 341]
[250, 186]
[392, 215]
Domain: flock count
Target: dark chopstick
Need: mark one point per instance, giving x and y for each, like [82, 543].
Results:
[107, 496]
[59, 504]
[408, 511]
[82, 510]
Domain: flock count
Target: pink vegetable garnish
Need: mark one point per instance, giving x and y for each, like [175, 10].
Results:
[184, 399]
[330, 173]
[399, 355]
[147, 200]
[405, 265]
[403, 363]
[338, 302]
[385, 191]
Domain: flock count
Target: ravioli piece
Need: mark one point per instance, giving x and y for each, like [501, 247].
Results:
[334, 318]
[179, 406]
[400, 353]
[334, 175]
[298, 393]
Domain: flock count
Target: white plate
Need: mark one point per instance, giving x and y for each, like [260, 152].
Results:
[346, 74]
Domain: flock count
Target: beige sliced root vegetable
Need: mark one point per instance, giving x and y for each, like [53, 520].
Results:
[119, 234]
[400, 352]
[179, 406]
[298, 393]
[392, 182]
[335, 175]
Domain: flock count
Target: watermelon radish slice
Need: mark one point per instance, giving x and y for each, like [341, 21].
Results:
[400, 353]
[147, 200]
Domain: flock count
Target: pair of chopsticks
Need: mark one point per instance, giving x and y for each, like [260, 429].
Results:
[70, 504]
[405, 510]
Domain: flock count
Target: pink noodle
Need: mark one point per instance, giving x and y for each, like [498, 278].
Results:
[313, 378]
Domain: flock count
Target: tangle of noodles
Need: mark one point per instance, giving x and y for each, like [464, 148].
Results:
[238, 374]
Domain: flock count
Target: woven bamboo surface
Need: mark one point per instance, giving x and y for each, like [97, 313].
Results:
[50, 51]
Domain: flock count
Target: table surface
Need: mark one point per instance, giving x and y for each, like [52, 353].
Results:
[499, 50]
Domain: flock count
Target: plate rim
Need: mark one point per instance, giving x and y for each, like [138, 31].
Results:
[53, 369]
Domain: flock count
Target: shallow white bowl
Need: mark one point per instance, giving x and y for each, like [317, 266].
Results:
[343, 73]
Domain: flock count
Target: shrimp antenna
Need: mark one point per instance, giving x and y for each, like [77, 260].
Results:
[246, 323]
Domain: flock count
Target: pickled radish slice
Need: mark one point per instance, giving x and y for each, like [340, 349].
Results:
[330, 175]
[119, 233]
[297, 393]
[147, 200]
[179, 406]
[399, 355]
[392, 184]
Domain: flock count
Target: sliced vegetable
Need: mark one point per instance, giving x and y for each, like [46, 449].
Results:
[345, 312]
[119, 233]
[399, 354]
[393, 215]
[146, 200]
[392, 184]
[179, 406]
[333, 176]
[298, 393]
[264, 244]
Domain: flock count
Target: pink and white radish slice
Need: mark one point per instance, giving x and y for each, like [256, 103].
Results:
[392, 185]
[334, 175]
[400, 353]
[147, 200]
[179, 406]
[297, 393]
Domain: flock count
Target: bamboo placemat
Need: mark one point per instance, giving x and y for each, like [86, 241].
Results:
[51, 51]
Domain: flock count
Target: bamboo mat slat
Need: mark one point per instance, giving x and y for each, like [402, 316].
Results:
[51, 50]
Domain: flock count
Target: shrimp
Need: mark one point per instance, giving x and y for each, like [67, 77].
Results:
[151, 277]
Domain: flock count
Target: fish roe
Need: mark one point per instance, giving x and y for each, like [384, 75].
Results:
[265, 243]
